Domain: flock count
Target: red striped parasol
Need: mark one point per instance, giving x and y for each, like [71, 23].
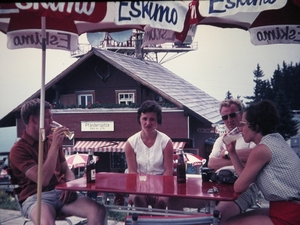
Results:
[78, 160]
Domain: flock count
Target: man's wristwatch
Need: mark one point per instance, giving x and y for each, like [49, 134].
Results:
[226, 154]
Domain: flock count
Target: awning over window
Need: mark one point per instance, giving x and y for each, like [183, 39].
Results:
[177, 145]
[108, 146]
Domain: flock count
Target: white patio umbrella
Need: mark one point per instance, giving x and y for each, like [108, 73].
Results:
[57, 25]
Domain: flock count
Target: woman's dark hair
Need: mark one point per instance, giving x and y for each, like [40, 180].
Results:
[150, 106]
[262, 117]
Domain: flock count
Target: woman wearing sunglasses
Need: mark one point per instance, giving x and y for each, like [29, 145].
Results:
[272, 165]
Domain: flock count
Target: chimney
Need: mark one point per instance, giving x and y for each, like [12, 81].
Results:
[138, 46]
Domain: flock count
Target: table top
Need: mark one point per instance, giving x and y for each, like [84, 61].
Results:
[152, 185]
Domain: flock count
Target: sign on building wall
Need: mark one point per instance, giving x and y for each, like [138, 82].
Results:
[97, 125]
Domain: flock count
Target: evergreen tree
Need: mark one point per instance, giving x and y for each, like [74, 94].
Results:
[292, 85]
[295, 101]
[280, 89]
[287, 127]
[228, 95]
[262, 88]
[277, 80]
[287, 80]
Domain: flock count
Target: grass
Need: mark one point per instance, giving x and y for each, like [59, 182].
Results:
[116, 216]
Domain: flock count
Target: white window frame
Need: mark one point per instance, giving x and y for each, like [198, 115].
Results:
[128, 96]
[86, 95]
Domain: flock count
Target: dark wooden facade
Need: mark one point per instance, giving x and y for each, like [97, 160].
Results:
[125, 123]
[188, 113]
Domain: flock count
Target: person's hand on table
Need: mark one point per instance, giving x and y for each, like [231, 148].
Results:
[68, 196]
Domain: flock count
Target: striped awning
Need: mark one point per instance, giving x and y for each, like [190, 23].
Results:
[108, 146]
[177, 145]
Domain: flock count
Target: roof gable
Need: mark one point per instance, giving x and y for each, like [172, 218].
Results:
[152, 75]
[166, 83]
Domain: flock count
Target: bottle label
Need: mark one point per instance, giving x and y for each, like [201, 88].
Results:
[93, 174]
[91, 161]
[181, 173]
[181, 177]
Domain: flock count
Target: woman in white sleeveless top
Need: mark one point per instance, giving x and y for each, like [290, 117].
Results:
[149, 151]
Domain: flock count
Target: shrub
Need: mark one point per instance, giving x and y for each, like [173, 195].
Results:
[7, 201]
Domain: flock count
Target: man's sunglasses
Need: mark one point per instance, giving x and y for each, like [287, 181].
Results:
[232, 115]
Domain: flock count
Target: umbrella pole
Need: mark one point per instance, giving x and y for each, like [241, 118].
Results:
[42, 123]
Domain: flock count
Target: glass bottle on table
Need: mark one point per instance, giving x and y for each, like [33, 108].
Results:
[90, 168]
[181, 170]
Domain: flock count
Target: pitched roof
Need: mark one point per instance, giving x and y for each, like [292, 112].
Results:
[169, 85]
[154, 76]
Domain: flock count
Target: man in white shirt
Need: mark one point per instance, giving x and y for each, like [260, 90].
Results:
[231, 112]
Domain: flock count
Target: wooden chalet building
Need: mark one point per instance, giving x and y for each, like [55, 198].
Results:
[97, 97]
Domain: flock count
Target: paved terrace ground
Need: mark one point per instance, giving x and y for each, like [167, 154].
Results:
[13, 217]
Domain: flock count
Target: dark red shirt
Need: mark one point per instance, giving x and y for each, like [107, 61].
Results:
[24, 155]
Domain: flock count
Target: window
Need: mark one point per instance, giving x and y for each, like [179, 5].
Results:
[126, 97]
[85, 98]
[158, 98]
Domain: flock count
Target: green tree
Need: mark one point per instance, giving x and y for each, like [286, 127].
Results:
[228, 95]
[262, 88]
[287, 127]
[295, 101]
[287, 80]
[279, 91]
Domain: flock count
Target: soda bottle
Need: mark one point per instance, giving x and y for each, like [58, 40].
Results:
[90, 168]
[181, 176]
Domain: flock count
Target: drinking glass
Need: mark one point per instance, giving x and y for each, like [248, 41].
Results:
[232, 136]
[142, 174]
[55, 125]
